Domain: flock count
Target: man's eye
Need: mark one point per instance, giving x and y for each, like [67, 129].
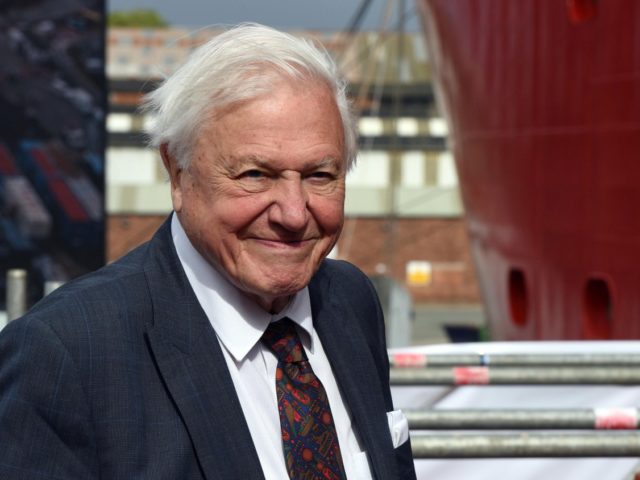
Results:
[252, 174]
[321, 175]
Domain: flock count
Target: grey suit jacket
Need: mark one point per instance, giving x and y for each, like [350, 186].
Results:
[119, 375]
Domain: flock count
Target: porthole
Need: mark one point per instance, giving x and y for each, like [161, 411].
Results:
[518, 297]
[597, 310]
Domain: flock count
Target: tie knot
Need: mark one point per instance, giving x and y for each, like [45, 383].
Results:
[282, 338]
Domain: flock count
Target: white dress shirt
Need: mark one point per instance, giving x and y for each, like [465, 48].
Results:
[239, 324]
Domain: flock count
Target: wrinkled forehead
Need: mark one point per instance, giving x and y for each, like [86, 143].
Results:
[306, 90]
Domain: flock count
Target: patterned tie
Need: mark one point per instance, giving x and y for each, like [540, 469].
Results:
[309, 438]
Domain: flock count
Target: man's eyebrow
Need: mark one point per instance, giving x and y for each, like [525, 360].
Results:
[237, 162]
[330, 161]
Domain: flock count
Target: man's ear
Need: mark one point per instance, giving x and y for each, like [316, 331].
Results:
[174, 171]
[169, 162]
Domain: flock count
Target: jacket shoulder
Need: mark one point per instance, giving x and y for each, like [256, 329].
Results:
[343, 273]
[348, 289]
[96, 300]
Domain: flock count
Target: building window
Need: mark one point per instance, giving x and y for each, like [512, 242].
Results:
[371, 170]
[437, 127]
[119, 122]
[447, 174]
[413, 169]
[370, 126]
[408, 127]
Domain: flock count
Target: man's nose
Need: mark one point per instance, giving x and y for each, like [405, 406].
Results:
[289, 208]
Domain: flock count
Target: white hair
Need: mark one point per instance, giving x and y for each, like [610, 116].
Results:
[240, 64]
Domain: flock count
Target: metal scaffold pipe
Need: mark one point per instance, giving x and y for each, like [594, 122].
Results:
[516, 376]
[408, 360]
[521, 445]
[551, 419]
[16, 293]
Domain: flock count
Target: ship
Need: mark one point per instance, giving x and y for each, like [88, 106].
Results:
[542, 98]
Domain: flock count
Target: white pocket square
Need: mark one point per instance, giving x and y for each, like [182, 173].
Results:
[399, 427]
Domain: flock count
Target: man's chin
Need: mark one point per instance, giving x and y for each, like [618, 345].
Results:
[269, 289]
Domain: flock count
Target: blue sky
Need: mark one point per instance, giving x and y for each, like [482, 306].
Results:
[310, 14]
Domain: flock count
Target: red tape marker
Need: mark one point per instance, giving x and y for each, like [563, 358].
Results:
[409, 360]
[471, 375]
[616, 418]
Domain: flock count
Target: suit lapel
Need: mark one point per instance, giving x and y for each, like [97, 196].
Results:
[192, 365]
[356, 374]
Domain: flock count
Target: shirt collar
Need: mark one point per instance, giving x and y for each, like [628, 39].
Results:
[238, 321]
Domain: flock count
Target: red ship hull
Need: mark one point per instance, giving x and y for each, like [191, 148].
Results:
[543, 103]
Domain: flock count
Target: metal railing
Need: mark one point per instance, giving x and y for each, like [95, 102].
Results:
[526, 444]
[517, 419]
[420, 360]
[618, 375]
[475, 433]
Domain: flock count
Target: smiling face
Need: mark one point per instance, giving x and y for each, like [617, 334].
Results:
[262, 199]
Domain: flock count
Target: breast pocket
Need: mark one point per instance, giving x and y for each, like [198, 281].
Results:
[398, 427]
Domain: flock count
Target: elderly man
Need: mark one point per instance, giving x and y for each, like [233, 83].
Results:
[227, 347]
